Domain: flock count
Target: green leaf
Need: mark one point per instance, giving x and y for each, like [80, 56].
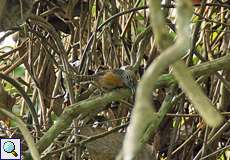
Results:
[93, 11]
[214, 34]
[195, 60]
[19, 71]
[140, 29]
[139, 17]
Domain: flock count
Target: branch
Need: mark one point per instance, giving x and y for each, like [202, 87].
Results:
[25, 132]
[24, 95]
[144, 118]
[74, 110]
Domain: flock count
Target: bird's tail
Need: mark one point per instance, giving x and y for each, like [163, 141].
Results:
[84, 78]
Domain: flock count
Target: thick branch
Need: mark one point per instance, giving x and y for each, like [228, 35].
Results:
[74, 110]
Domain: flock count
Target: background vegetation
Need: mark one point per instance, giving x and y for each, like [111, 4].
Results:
[61, 119]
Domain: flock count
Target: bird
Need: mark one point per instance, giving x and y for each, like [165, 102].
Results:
[111, 79]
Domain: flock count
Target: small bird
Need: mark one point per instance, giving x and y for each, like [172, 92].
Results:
[111, 79]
